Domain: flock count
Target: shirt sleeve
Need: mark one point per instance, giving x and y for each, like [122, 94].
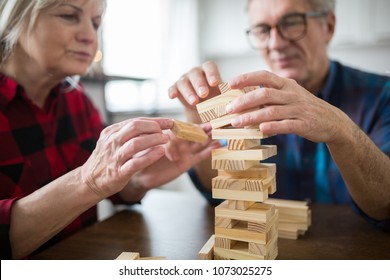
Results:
[383, 225]
[5, 222]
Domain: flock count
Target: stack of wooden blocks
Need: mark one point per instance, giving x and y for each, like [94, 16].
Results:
[245, 227]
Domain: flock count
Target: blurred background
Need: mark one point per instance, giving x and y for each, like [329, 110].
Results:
[147, 45]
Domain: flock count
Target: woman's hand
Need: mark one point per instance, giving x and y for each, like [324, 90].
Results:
[122, 150]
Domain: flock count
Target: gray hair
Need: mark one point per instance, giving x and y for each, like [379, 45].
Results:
[17, 16]
[318, 5]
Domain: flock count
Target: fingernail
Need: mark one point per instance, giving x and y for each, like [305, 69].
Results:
[213, 80]
[229, 108]
[236, 121]
[202, 91]
[192, 99]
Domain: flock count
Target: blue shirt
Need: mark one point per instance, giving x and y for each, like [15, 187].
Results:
[305, 170]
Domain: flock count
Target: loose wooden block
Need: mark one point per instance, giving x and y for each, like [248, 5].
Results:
[215, 107]
[242, 144]
[233, 164]
[258, 153]
[257, 213]
[238, 133]
[264, 170]
[206, 253]
[189, 131]
[128, 256]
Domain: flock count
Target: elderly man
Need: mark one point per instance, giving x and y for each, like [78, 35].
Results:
[332, 122]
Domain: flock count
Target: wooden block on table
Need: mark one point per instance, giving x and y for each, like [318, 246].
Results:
[215, 107]
[128, 256]
[206, 253]
[189, 131]
[238, 133]
[242, 144]
[257, 153]
[234, 164]
[264, 170]
[257, 213]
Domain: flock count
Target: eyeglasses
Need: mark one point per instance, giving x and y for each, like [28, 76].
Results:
[291, 27]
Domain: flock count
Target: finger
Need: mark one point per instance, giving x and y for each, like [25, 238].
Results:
[164, 123]
[137, 127]
[265, 114]
[135, 164]
[212, 73]
[173, 92]
[258, 78]
[199, 82]
[259, 98]
[187, 91]
[136, 146]
[291, 126]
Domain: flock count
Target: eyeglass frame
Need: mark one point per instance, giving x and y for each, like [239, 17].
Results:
[305, 16]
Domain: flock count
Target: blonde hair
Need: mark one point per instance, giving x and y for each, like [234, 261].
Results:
[17, 16]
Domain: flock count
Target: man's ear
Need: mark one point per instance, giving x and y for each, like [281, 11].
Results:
[330, 25]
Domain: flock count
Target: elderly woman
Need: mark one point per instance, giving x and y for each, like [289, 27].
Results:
[54, 166]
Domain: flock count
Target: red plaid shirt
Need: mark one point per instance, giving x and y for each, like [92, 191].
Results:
[39, 145]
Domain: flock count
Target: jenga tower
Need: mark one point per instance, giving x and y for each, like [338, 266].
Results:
[245, 227]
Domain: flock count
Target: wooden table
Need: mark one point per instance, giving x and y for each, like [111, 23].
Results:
[176, 225]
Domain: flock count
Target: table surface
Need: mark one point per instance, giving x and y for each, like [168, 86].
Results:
[176, 225]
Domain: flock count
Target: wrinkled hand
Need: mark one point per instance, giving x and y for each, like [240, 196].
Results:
[285, 107]
[123, 149]
[180, 155]
[199, 84]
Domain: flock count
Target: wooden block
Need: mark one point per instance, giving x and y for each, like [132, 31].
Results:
[240, 252]
[224, 87]
[228, 183]
[242, 144]
[224, 243]
[215, 107]
[240, 195]
[264, 170]
[189, 131]
[128, 256]
[241, 233]
[238, 133]
[234, 164]
[136, 256]
[257, 213]
[206, 253]
[225, 222]
[264, 226]
[258, 153]
[254, 184]
[239, 204]
[265, 250]
[226, 119]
